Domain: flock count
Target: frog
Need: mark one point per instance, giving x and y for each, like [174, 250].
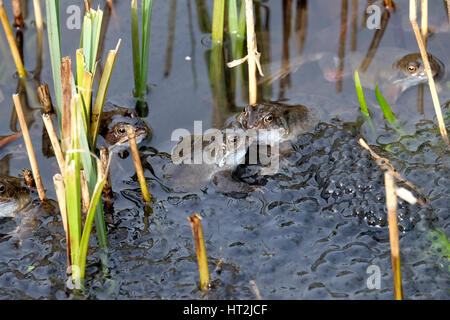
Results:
[277, 126]
[394, 69]
[288, 121]
[113, 124]
[218, 156]
[13, 196]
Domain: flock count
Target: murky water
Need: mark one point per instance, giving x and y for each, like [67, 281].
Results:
[315, 230]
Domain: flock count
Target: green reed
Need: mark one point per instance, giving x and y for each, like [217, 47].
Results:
[387, 112]
[79, 123]
[141, 50]
[362, 102]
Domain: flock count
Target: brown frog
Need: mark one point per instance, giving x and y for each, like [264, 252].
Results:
[199, 160]
[113, 125]
[394, 69]
[288, 121]
[13, 196]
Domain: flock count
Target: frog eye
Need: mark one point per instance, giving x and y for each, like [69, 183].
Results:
[412, 68]
[121, 130]
[268, 118]
[233, 139]
[2, 188]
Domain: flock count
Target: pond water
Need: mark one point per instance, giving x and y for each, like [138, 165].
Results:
[315, 230]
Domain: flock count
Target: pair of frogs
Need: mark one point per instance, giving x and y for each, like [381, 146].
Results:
[271, 124]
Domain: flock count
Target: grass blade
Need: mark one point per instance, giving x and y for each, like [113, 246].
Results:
[101, 92]
[53, 30]
[97, 192]
[146, 24]
[135, 46]
[362, 102]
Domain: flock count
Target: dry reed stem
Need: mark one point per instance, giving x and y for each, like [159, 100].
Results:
[424, 20]
[202, 259]
[40, 36]
[251, 53]
[252, 57]
[29, 147]
[137, 163]
[426, 62]
[255, 289]
[55, 142]
[45, 99]
[391, 204]
[87, 5]
[384, 164]
[448, 10]
[60, 189]
[11, 41]
[17, 12]
[342, 39]
[66, 88]
[389, 4]
[38, 15]
[354, 29]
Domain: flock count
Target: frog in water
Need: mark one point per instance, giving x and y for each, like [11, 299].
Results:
[218, 158]
[394, 69]
[13, 196]
[114, 122]
[287, 120]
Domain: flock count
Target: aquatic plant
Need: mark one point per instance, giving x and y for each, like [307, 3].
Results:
[421, 43]
[202, 259]
[79, 129]
[236, 28]
[362, 102]
[12, 42]
[141, 50]
[218, 22]
[387, 112]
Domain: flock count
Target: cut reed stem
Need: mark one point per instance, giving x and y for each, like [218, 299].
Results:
[137, 163]
[29, 147]
[426, 62]
[55, 142]
[202, 259]
[60, 189]
[391, 204]
[255, 289]
[11, 41]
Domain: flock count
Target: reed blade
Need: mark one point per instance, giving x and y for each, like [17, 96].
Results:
[387, 112]
[362, 102]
